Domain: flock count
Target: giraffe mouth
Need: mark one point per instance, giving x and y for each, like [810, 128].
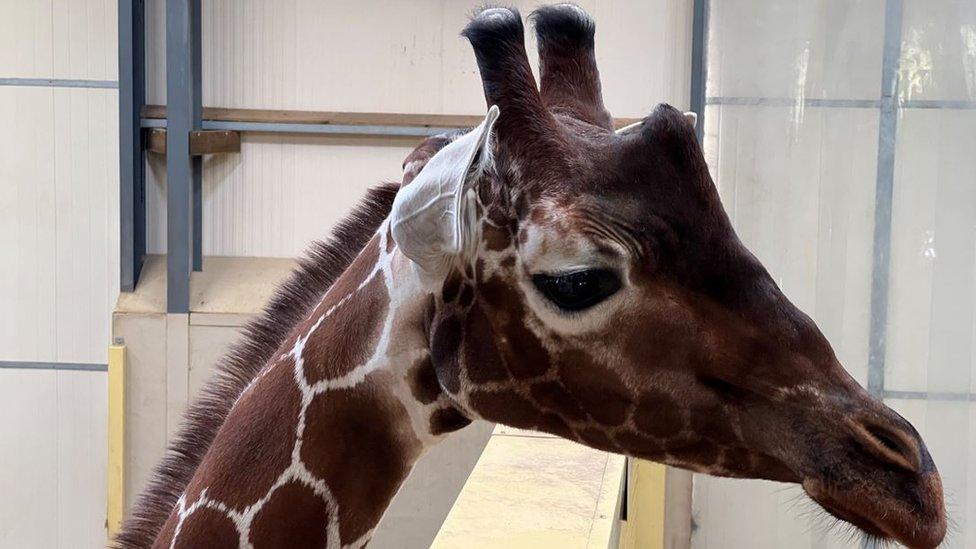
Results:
[884, 518]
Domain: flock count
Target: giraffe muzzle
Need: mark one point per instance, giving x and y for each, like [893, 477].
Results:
[878, 475]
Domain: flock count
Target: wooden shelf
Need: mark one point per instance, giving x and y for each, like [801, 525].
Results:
[343, 118]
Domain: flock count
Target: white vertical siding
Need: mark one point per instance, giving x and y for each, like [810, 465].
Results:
[53, 451]
[59, 248]
[372, 55]
[59, 215]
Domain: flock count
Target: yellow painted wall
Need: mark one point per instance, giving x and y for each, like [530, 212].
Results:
[644, 527]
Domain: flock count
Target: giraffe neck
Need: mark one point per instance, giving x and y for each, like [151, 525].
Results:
[318, 444]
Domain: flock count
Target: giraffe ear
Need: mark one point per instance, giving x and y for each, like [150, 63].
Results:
[432, 220]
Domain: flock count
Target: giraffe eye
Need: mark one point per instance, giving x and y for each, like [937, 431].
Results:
[577, 290]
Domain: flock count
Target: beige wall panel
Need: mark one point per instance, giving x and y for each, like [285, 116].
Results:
[177, 370]
[208, 344]
[381, 55]
[145, 422]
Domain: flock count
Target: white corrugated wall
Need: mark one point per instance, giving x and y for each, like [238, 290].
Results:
[385, 56]
[59, 276]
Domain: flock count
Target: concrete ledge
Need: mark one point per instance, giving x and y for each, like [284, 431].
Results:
[530, 490]
[226, 286]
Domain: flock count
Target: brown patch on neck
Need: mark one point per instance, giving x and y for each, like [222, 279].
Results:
[294, 516]
[346, 339]
[264, 421]
[359, 442]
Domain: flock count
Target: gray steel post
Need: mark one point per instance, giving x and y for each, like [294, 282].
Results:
[179, 166]
[699, 62]
[132, 182]
[196, 52]
[884, 188]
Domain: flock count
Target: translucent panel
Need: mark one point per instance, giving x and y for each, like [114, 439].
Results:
[799, 179]
[938, 55]
[933, 253]
[814, 49]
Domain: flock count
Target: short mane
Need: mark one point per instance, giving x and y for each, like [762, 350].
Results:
[292, 302]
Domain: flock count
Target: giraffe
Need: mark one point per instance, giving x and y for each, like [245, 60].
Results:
[545, 272]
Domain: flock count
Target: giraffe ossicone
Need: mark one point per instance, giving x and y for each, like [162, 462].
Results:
[548, 273]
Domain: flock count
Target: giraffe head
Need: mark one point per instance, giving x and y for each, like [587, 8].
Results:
[588, 283]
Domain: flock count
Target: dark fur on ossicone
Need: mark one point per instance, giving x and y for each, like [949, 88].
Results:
[316, 272]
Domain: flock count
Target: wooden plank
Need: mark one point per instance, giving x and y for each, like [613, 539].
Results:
[156, 141]
[214, 142]
[340, 117]
[201, 142]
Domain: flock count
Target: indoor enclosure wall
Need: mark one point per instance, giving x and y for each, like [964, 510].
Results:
[842, 138]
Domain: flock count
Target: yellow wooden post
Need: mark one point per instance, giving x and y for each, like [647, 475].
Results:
[644, 527]
[116, 438]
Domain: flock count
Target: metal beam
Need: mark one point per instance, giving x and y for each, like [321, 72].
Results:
[196, 162]
[324, 129]
[793, 102]
[72, 366]
[924, 395]
[883, 196]
[182, 117]
[699, 62]
[64, 82]
[947, 104]
[132, 180]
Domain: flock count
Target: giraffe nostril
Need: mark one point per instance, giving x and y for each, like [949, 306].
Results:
[889, 444]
